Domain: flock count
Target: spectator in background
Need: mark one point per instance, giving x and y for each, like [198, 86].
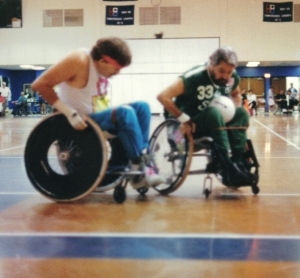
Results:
[2, 100]
[281, 101]
[292, 99]
[271, 101]
[245, 102]
[252, 102]
[294, 92]
[20, 105]
[6, 93]
[27, 94]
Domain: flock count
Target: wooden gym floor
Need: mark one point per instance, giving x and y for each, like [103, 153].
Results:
[230, 234]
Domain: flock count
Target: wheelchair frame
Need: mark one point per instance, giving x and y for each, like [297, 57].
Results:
[201, 147]
[65, 165]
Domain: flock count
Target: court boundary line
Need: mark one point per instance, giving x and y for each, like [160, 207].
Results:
[278, 135]
[147, 235]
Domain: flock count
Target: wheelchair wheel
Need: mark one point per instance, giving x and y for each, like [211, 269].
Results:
[62, 163]
[171, 155]
[251, 160]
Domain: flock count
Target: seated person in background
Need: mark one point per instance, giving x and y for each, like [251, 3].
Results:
[281, 101]
[27, 95]
[252, 102]
[42, 104]
[21, 103]
[29, 100]
[2, 101]
[245, 102]
[292, 99]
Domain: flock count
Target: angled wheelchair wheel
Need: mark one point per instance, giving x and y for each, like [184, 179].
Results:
[62, 163]
[252, 164]
[171, 155]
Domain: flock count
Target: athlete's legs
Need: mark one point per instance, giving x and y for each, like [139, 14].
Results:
[142, 110]
[238, 137]
[126, 126]
[210, 123]
[131, 124]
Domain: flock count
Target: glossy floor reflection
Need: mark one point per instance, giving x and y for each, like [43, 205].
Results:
[233, 233]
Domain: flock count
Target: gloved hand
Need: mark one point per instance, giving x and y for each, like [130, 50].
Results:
[71, 114]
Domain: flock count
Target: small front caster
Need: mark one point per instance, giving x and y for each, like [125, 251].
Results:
[255, 189]
[119, 194]
[206, 193]
[143, 190]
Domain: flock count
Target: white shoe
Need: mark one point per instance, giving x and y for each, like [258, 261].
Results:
[149, 179]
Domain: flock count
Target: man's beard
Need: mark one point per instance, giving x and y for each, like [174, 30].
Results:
[219, 82]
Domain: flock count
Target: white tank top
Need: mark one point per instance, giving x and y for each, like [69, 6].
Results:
[84, 100]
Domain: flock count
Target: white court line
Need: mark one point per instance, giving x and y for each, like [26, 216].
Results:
[12, 148]
[149, 235]
[19, 193]
[281, 137]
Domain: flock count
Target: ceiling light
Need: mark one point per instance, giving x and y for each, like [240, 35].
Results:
[26, 66]
[38, 68]
[252, 64]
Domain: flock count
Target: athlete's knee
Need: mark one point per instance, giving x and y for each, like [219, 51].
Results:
[213, 116]
[125, 114]
[241, 117]
[141, 107]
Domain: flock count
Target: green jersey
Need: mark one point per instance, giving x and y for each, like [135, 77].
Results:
[199, 90]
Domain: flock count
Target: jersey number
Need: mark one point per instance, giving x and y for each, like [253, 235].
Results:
[205, 94]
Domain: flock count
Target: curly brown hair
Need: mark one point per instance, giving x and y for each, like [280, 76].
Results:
[113, 47]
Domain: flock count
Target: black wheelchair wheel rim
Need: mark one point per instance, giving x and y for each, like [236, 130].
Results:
[83, 166]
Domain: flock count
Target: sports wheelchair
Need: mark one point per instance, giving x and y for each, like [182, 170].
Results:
[65, 165]
[172, 154]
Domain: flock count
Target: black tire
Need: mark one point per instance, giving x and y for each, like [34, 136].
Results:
[171, 155]
[119, 194]
[62, 163]
[255, 189]
[206, 193]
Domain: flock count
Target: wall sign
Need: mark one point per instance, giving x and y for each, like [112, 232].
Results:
[10, 13]
[120, 15]
[278, 12]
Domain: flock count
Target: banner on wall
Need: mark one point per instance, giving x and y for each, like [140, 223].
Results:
[10, 13]
[278, 12]
[120, 15]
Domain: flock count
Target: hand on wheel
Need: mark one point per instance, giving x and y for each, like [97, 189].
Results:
[76, 121]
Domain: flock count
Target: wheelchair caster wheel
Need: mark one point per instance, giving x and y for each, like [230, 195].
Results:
[142, 191]
[255, 189]
[206, 193]
[119, 194]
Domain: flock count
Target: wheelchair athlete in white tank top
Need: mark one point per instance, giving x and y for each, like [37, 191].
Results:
[82, 81]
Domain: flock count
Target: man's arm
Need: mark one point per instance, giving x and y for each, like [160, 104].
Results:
[167, 95]
[166, 99]
[67, 70]
[236, 96]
